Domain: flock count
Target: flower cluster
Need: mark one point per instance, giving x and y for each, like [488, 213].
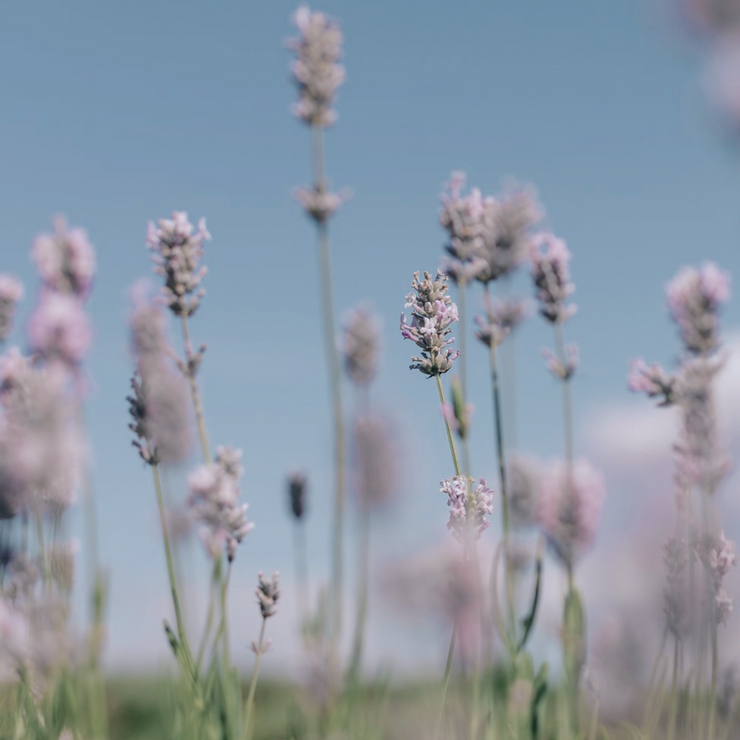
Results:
[502, 318]
[432, 313]
[297, 486]
[551, 275]
[268, 594]
[525, 479]
[718, 556]
[569, 507]
[562, 368]
[316, 69]
[377, 467]
[469, 505]
[11, 292]
[361, 346]
[214, 503]
[653, 380]
[694, 299]
[159, 402]
[319, 203]
[178, 249]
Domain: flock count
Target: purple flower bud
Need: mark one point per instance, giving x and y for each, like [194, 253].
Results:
[361, 346]
[653, 380]
[469, 505]
[551, 275]
[562, 370]
[320, 204]
[268, 594]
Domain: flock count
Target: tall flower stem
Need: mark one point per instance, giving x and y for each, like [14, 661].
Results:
[362, 596]
[461, 310]
[197, 403]
[168, 556]
[249, 707]
[445, 682]
[450, 438]
[300, 554]
[567, 403]
[215, 578]
[333, 362]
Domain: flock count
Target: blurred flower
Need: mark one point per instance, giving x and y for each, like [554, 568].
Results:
[468, 506]
[694, 299]
[432, 313]
[718, 555]
[564, 370]
[59, 329]
[214, 503]
[268, 594]
[377, 467]
[551, 275]
[297, 487]
[65, 260]
[361, 346]
[676, 596]
[178, 249]
[11, 292]
[569, 507]
[723, 76]
[457, 413]
[653, 380]
[319, 203]
[316, 69]
[525, 480]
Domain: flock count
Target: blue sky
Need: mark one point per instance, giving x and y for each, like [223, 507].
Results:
[118, 113]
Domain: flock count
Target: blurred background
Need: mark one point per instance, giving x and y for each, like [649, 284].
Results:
[119, 113]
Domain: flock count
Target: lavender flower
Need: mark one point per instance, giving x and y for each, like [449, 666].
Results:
[159, 405]
[316, 69]
[319, 203]
[468, 506]
[432, 313]
[59, 329]
[178, 250]
[214, 503]
[507, 237]
[11, 292]
[297, 487]
[65, 260]
[569, 508]
[676, 599]
[718, 556]
[268, 594]
[525, 480]
[562, 369]
[464, 220]
[551, 275]
[361, 346]
[694, 299]
[653, 380]
[377, 466]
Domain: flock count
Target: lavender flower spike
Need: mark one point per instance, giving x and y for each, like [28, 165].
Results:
[11, 292]
[59, 329]
[551, 275]
[65, 259]
[297, 487]
[316, 69]
[653, 380]
[268, 594]
[178, 250]
[319, 203]
[694, 299]
[361, 346]
[432, 313]
[468, 505]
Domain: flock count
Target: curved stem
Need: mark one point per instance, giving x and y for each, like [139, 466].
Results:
[215, 577]
[445, 682]
[253, 683]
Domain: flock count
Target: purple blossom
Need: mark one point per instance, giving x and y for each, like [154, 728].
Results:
[377, 463]
[11, 292]
[432, 313]
[178, 250]
[502, 318]
[718, 555]
[469, 506]
[569, 507]
[551, 275]
[59, 329]
[694, 299]
[653, 380]
[563, 369]
[361, 346]
[65, 259]
[268, 594]
[316, 69]
[214, 503]
[319, 203]
[524, 475]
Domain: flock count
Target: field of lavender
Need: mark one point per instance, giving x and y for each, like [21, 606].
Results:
[520, 657]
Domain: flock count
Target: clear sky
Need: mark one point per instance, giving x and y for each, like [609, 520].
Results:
[115, 113]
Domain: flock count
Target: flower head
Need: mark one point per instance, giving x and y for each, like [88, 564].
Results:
[361, 346]
[65, 260]
[377, 467]
[694, 299]
[178, 249]
[297, 488]
[432, 314]
[11, 292]
[319, 203]
[502, 318]
[316, 69]
[569, 508]
[268, 594]
[469, 505]
[653, 380]
[565, 368]
[525, 481]
[59, 329]
[551, 275]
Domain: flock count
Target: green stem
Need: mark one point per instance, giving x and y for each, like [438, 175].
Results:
[673, 707]
[300, 552]
[215, 578]
[197, 404]
[462, 333]
[333, 362]
[567, 404]
[253, 683]
[168, 556]
[445, 683]
[362, 595]
[450, 438]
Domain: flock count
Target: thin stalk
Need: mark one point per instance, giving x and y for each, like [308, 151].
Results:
[445, 682]
[674, 695]
[197, 404]
[215, 578]
[462, 334]
[253, 683]
[300, 553]
[168, 556]
[333, 362]
[362, 595]
[450, 438]
[567, 404]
